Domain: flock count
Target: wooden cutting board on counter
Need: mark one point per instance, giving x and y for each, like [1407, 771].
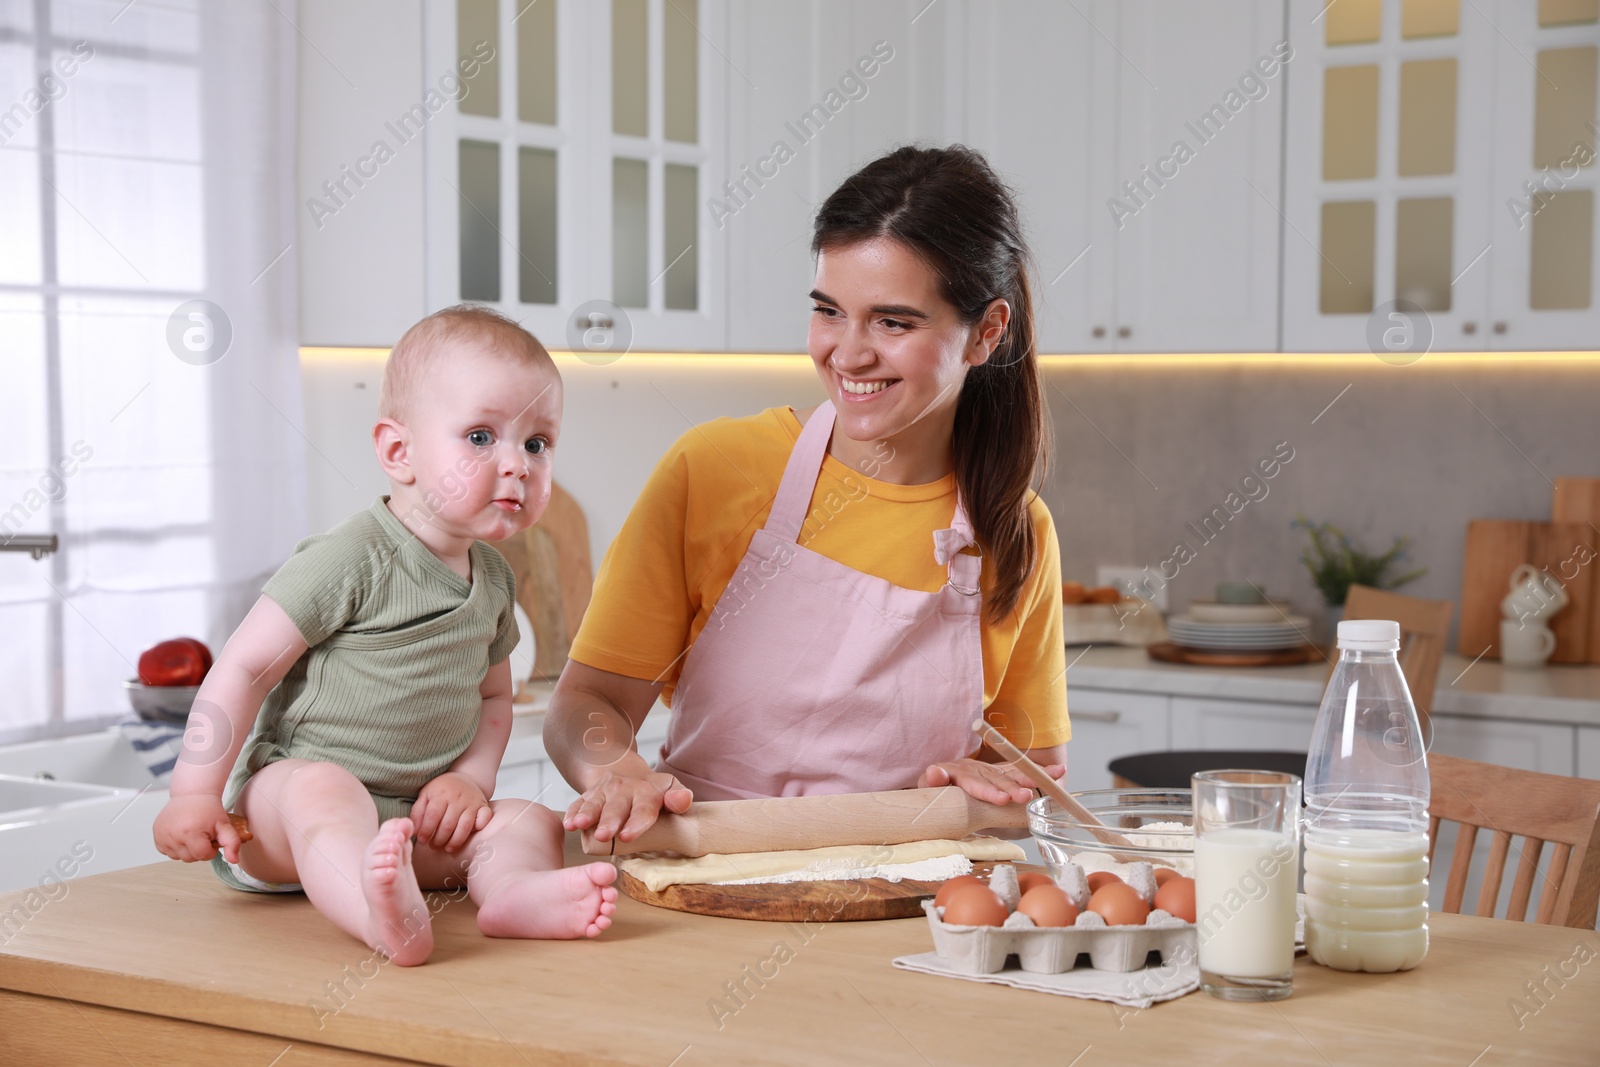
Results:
[1578, 500]
[852, 901]
[551, 563]
[1168, 652]
[1495, 548]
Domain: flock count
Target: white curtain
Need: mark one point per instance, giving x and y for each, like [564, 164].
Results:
[146, 178]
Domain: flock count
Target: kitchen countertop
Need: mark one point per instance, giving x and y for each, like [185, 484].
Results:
[527, 715]
[162, 964]
[1566, 694]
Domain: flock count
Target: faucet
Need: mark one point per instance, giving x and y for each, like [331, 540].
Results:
[37, 545]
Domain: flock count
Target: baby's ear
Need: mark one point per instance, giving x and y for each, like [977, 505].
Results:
[391, 441]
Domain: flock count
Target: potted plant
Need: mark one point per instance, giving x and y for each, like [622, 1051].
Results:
[1336, 563]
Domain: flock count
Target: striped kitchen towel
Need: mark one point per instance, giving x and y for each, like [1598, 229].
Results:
[157, 744]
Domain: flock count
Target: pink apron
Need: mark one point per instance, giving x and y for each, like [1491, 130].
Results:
[811, 677]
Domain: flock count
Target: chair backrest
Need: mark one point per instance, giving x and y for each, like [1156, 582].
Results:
[1542, 809]
[1423, 626]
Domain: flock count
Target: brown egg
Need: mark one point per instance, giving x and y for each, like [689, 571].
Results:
[1119, 905]
[946, 891]
[1100, 878]
[1176, 897]
[975, 905]
[1165, 875]
[1030, 879]
[1048, 905]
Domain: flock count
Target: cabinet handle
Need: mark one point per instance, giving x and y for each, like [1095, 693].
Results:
[1499, 327]
[1098, 331]
[1124, 331]
[1469, 327]
[1094, 716]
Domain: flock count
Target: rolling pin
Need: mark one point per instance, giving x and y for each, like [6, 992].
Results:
[769, 824]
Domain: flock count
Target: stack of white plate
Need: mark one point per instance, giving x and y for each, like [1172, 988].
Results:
[1239, 628]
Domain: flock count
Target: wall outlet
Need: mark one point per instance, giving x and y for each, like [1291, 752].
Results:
[1131, 581]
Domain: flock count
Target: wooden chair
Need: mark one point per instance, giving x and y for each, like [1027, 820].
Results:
[1541, 808]
[1423, 627]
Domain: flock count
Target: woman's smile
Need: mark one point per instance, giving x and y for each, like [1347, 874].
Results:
[860, 391]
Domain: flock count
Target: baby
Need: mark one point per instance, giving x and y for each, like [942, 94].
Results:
[381, 652]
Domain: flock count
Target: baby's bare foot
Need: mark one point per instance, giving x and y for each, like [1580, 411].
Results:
[398, 924]
[566, 903]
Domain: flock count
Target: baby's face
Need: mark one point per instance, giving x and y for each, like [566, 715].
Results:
[483, 430]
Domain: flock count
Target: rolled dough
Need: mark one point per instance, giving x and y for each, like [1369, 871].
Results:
[835, 861]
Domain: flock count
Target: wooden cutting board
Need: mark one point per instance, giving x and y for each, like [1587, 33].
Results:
[1495, 548]
[555, 578]
[853, 901]
[1167, 652]
[1578, 500]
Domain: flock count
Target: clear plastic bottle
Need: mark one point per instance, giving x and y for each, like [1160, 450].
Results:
[1366, 830]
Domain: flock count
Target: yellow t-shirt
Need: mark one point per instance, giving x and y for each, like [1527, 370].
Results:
[712, 491]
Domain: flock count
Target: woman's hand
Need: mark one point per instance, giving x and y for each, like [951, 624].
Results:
[192, 827]
[624, 805]
[996, 783]
[450, 809]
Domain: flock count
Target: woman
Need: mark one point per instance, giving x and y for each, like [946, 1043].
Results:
[826, 598]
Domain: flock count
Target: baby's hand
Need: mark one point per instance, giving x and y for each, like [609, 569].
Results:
[450, 809]
[192, 827]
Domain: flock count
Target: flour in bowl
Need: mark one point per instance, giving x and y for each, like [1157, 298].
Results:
[1178, 838]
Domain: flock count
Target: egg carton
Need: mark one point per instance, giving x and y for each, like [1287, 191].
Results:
[1055, 949]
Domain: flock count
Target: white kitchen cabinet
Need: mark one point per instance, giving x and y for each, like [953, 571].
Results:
[1241, 724]
[1065, 115]
[1588, 752]
[361, 241]
[1199, 106]
[818, 88]
[1140, 246]
[1529, 746]
[1107, 725]
[522, 770]
[1041, 106]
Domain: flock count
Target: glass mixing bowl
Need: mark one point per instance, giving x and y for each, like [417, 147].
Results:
[1158, 823]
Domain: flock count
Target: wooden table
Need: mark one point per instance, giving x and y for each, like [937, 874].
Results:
[163, 965]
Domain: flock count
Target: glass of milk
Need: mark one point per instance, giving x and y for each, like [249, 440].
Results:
[1246, 866]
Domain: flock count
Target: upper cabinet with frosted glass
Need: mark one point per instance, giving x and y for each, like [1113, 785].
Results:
[1440, 174]
[571, 175]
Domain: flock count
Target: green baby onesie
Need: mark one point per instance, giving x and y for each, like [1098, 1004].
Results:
[400, 644]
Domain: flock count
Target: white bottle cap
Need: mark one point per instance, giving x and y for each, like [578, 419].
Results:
[1369, 635]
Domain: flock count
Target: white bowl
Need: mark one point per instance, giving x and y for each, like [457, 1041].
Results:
[160, 703]
[1063, 839]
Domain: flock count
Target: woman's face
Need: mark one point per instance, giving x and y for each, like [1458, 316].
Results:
[891, 351]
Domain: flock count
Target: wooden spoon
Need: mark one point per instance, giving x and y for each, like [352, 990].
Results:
[1052, 789]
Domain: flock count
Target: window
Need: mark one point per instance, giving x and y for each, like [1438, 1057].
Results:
[122, 437]
[99, 170]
